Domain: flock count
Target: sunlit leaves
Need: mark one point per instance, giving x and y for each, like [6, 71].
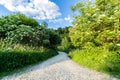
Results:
[100, 19]
[18, 28]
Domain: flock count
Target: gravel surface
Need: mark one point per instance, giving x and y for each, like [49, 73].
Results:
[59, 67]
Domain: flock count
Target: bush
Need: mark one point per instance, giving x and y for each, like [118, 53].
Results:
[54, 38]
[113, 62]
[97, 58]
[11, 60]
[18, 28]
[114, 47]
[14, 56]
[109, 36]
[65, 45]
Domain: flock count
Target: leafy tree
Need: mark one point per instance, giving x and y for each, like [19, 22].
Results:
[11, 23]
[18, 28]
[63, 32]
[53, 37]
[44, 24]
[65, 44]
[97, 22]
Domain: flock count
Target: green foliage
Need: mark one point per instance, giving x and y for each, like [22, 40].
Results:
[24, 42]
[98, 58]
[26, 20]
[9, 23]
[63, 31]
[4, 45]
[109, 36]
[18, 28]
[113, 62]
[20, 34]
[15, 56]
[11, 60]
[44, 24]
[96, 31]
[96, 22]
[54, 37]
[65, 44]
[114, 47]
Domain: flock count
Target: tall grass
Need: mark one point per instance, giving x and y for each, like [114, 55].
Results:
[15, 56]
[98, 58]
[9, 46]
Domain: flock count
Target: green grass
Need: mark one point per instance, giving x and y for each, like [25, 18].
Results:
[99, 59]
[12, 60]
[16, 56]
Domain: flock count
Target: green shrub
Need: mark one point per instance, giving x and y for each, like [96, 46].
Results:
[88, 45]
[18, 28]
[97, 58]
[11, 60]
[54, 38]
[109, 36]
[113, 62]
[65, 45]
[14, 56]
[114, 47]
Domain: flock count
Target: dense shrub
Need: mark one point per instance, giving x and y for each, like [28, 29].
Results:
[11, 60]
[15, 56]
[54, 38]
[65, 45]
[96, 22]
[18, 28]
[98, 58]
[113, 62]
[114, 47]
[108, 36]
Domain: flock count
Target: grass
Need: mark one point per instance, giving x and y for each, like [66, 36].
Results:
[10, 61]
[16, 56]
[99, 59]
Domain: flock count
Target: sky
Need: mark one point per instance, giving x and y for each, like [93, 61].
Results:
[56, 13]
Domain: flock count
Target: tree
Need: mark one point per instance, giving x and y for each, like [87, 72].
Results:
[54, 37]
[97, 21]
[13, 21]
[18, 28]
[44, 24]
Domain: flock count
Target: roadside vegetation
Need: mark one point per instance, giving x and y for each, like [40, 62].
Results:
[93, 41]
[23, 42]
[65, 44]
[95, 35]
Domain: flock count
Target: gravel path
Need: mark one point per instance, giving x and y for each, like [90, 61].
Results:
[59, 67]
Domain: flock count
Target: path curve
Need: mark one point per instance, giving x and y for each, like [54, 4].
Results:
[59, 67]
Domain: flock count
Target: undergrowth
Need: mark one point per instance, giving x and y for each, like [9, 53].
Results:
[99, 59]
[16, 56]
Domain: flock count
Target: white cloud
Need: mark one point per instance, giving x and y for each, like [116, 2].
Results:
[39, 9]
[68, 18]
[61, 20]
[56, 20]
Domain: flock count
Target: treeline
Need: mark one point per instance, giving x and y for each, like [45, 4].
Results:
[18, 28]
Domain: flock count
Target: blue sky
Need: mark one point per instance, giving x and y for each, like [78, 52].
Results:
[56, 13]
